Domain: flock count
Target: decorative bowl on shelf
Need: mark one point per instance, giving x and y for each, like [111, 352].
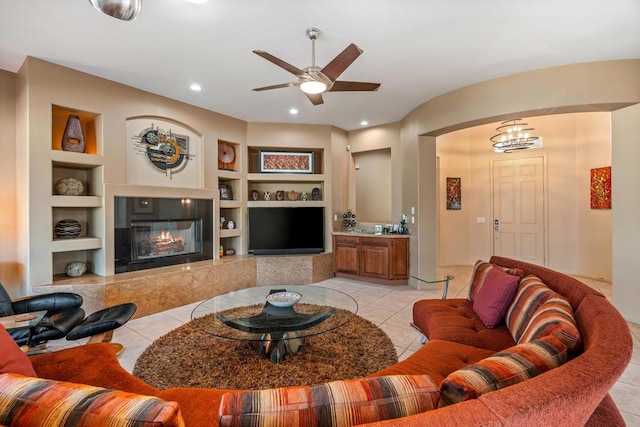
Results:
[67, 229]
[283, 299]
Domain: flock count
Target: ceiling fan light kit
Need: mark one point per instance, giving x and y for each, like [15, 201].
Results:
[313, 87]
[126, 10]
[313, 81]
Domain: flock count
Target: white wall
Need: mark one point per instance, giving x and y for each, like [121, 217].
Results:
[626, 205]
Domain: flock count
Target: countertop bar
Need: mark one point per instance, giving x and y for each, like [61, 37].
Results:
[366, 234]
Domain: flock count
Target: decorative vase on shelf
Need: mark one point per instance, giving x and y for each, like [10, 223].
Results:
[69, 187]
[73, 138]
[230, 225]
[292, 195]
[305, 196]
[315, 194]
[68, 229]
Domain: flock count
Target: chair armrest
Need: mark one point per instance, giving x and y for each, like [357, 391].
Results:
[64, 321]
[93, 364]
[53, 302]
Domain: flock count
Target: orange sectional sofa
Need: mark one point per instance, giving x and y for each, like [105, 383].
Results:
[572, 394]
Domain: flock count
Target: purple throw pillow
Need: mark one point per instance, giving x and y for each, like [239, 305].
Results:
[495, 296]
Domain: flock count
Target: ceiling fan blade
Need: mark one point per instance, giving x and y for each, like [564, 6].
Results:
[343, 86]
[340, 63]
[260, 89]
[315, 98]
[279, 62]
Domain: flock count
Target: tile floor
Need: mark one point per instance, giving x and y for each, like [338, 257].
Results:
[390, 309]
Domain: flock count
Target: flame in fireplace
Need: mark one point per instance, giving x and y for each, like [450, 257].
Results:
[165, 236]
[165, 242]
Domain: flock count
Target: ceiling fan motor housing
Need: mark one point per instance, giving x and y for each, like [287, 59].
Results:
[313, 33]
[315, 73]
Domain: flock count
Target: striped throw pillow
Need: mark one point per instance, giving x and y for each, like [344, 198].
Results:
[553, 317]
[503, 369]
[26, 401]
[337, 403]
[532, 292]
[479, 275]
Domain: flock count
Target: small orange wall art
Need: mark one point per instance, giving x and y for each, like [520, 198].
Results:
[601, 188]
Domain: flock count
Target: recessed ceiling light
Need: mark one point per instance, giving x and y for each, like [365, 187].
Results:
[364, 123]
[195, 87]
[293, 111]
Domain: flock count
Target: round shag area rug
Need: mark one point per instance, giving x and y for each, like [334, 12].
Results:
[188, 357]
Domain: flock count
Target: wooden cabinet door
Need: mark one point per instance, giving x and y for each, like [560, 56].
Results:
[346, 254]
[399, 268]
[374, 257]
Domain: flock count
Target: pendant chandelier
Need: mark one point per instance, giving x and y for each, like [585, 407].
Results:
[127, 10]
[514, 135]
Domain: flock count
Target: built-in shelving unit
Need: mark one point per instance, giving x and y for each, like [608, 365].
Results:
[230, 175]
[294, 184]
[297, 189]
[86, 208]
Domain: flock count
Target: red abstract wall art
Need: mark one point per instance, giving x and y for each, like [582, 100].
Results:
[454, 194]
[601, 188]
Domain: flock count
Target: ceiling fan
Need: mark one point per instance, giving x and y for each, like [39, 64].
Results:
[313, 80]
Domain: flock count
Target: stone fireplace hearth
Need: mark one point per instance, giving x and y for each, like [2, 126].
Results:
[168, 287]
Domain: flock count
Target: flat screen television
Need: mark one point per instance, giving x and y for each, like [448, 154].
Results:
[286, 230]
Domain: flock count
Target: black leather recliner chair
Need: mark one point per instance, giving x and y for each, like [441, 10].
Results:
[63, 314]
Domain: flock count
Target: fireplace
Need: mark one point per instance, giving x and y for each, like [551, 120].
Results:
[157, 239]
[155, 232]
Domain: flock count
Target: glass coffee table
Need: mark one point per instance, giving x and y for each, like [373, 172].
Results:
[274, 320]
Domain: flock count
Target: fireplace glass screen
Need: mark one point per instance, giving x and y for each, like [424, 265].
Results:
[158, 239]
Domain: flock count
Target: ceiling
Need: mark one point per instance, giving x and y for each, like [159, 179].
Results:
[417, 49]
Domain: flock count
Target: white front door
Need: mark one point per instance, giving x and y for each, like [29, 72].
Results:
[518, 209]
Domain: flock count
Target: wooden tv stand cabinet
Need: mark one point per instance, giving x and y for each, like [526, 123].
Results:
[373, 258]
